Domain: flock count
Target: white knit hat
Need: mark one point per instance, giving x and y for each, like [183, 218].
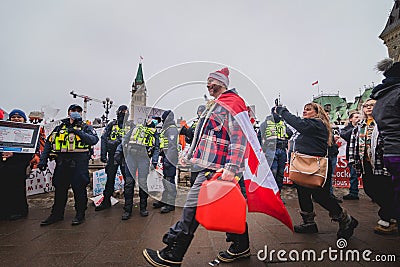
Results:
[221, 75]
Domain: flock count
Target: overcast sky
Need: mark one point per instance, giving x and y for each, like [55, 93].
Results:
[50, 47]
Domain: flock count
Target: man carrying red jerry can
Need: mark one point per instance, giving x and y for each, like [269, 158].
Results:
[219, 145]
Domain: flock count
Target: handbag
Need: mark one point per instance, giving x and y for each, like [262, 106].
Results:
[308, 171]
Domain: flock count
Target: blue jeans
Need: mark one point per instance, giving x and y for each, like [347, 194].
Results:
[277, 159]
[353, 181]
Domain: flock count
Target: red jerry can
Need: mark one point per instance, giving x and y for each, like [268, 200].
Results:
[221, 206]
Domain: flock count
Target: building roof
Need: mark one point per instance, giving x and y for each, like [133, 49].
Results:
[393, 20]
[139, 76]
[335, 106]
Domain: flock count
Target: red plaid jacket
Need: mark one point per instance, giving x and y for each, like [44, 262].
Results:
[222, 143]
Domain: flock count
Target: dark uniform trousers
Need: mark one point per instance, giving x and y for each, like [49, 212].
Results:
[111, 171]
[71, 170]
[137, 162]
[169, 193]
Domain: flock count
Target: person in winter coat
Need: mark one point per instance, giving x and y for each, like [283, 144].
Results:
[169, 153]
[110, 139]
[387, 116]
[13, 203]
[314, 138]
[366, 155]
[345, 133]
[219, 144]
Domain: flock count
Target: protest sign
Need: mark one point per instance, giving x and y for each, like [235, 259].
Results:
[142, 113]
[18, 137]
[40, 181]
[100, 179]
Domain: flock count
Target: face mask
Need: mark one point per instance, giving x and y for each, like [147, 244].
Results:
[120, 116]
[75, 115]
[155, 122]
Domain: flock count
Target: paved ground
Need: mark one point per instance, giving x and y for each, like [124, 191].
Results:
[105, 240]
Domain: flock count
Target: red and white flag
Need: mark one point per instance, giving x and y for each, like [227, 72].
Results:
[261, 189]
[314, 83]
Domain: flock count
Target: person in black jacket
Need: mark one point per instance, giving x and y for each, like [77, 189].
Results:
[315, 136]
[110, 139]
[70, 142]
[345, 133]
[387, 115]
[13, 204]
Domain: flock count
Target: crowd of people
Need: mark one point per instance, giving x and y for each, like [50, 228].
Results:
[216, 143]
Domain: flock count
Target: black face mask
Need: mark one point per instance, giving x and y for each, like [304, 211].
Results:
[120, 117]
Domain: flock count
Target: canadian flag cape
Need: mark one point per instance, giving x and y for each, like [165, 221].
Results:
[261, 189]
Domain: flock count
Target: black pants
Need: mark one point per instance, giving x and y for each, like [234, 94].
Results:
[74, 172]
[321, 195]
[111, 171]
[380, 189]
[13, 185]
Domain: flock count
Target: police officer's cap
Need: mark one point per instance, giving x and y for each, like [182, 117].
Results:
[75, 107]
[201, 108]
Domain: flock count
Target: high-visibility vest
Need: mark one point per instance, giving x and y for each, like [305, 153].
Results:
[63, 141]
[275, 130]
[164, 139]
[142, 135]
[117, 132]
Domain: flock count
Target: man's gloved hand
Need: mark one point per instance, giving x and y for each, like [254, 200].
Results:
[279, 109]
[103, 159]
[42, 166]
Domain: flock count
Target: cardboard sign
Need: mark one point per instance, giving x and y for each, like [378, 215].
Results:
[100, 179]
[142, 114]
[40, 181]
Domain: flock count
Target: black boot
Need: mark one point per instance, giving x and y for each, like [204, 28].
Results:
[308, 226]
[347, 224]
[51, 219]
[172, 254]
[167, 208]
[105, 204]
[239, 248]
[79, 218]
[158, 204]
[143, 207]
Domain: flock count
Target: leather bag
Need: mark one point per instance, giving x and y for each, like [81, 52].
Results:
[308, 171]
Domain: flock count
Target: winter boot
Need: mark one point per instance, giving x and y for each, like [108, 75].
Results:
[158, 204]
[346, 225]
[105, 204]
[143, 207]
[239, 248]
[167, 208]
[172, 254]
[308, 226]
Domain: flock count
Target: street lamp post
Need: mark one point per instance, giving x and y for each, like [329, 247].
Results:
[107, 104]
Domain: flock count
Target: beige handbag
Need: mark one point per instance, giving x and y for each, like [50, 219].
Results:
[308, 171]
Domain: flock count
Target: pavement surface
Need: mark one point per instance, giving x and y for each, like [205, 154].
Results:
[105, 240]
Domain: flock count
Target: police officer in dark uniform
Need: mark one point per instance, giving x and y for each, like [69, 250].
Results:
[70, 142]
[169, 153]
[110, 139]
[139, 144]
[274, 135]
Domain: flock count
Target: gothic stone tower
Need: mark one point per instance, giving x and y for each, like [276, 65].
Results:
[139, 91]
[391, 33]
